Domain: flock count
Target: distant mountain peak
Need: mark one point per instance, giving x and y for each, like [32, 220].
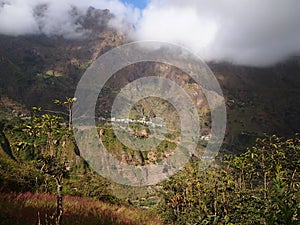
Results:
[71, 22]
[94, 19]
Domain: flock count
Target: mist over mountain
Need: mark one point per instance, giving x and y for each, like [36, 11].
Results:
[39, 65]
[252, 49]
[56, 17]
[242, 32]
[37, 68]
[251, 33]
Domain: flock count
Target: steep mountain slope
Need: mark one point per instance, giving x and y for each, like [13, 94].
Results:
[260, 100]
[36, 69]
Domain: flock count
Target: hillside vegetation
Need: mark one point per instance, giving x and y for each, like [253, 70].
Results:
[45, 180]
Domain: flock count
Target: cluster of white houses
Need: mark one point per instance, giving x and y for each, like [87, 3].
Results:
[141, 121]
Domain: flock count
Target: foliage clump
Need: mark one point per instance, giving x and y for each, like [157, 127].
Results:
[260, 186]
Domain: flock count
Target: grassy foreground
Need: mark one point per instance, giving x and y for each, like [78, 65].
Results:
[28, 208]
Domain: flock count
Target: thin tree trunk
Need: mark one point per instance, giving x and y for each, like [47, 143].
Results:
[70, 117]
[59, 206]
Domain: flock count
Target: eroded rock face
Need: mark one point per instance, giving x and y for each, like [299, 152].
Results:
[35, 69]
[142, 133]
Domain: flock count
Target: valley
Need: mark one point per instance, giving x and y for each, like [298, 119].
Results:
[41, 163]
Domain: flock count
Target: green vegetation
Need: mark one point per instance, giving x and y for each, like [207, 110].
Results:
[260, 186]
[41, 166]
[44, 151]
[39, 159]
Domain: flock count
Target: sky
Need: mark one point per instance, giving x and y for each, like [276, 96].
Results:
[141, 4]
[246, 32]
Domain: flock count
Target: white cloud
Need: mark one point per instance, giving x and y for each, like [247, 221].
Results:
[18, 17]
[245, 32]
[183, 26]
[251, 32]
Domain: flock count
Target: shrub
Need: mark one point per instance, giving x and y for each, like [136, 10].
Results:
[260, 186]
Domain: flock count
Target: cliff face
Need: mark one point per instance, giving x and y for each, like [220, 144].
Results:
[260, 100]
[35, 69]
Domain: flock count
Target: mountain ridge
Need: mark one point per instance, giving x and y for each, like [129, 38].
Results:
[36, 69]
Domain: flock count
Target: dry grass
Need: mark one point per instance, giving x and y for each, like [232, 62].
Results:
[23, 208]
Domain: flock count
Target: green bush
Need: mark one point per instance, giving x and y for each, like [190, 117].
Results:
[260, 186]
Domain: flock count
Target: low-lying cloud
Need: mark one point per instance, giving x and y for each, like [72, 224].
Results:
[244, 32]
[52, 17]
